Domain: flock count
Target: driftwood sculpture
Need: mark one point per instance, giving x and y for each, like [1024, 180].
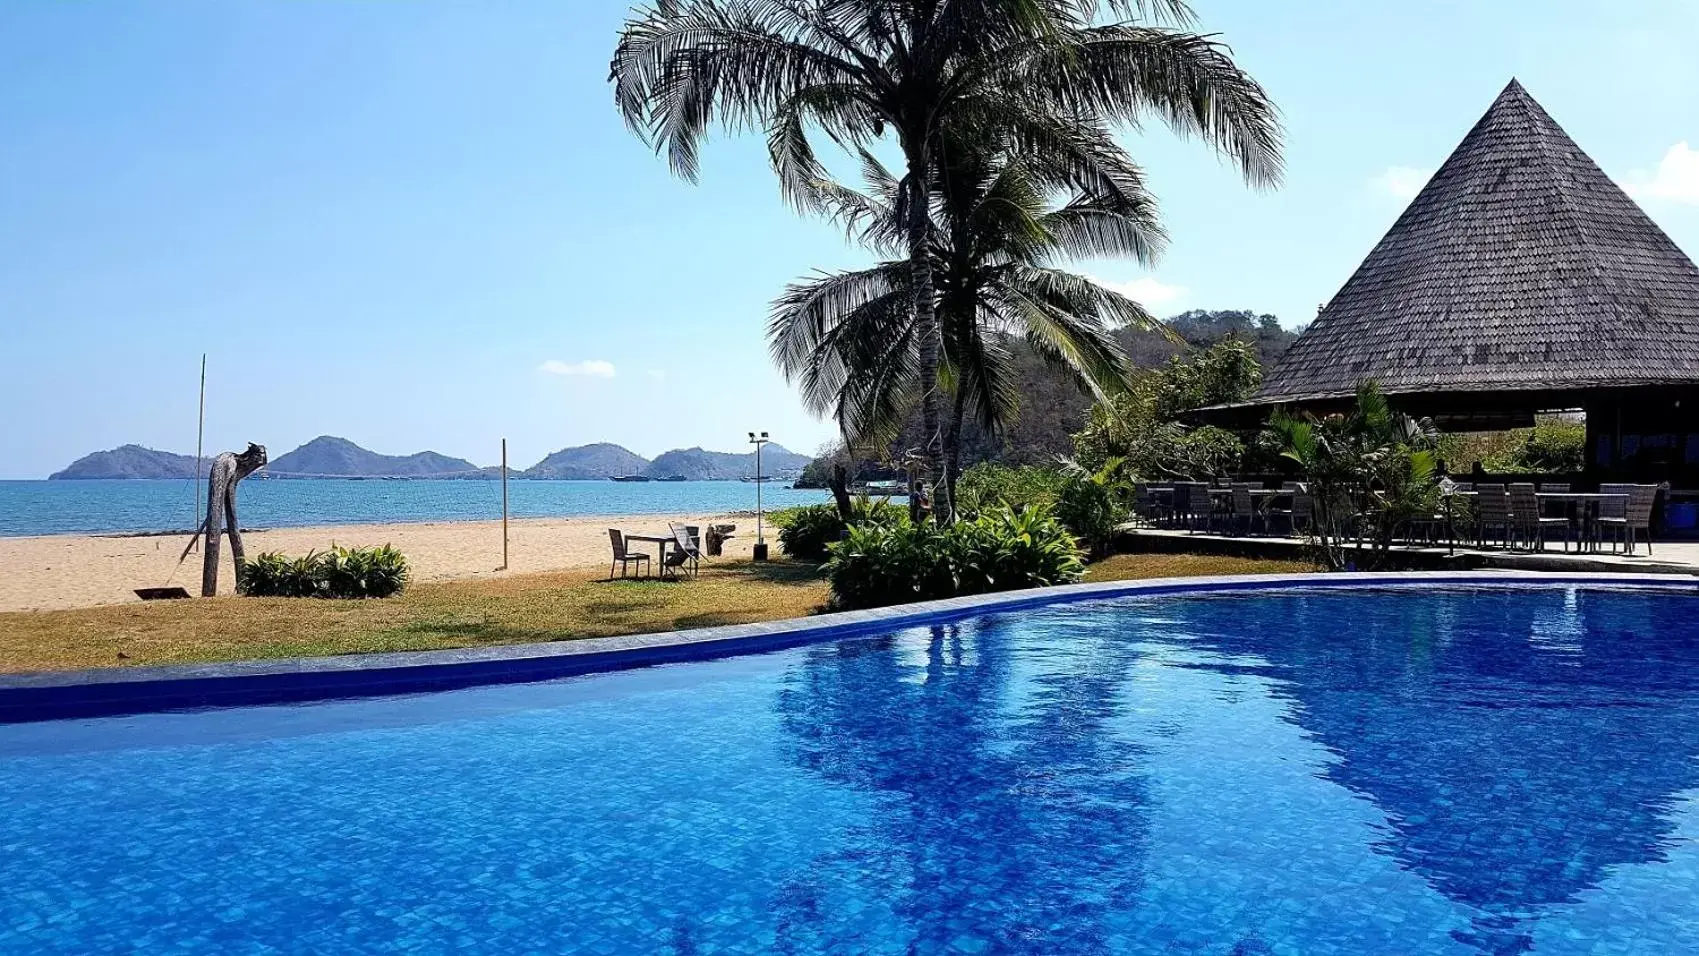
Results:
[227, 469]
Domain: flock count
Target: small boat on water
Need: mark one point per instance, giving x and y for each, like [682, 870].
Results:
[673, 478]
[629, 478]
[763, 478]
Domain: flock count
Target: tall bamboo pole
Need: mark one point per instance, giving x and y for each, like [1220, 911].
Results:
[504, 504]
[200, 437]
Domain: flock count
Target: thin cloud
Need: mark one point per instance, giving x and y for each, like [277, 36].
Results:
[1676, 179]
[1147, 291]
[1401, 182]
[589, 368]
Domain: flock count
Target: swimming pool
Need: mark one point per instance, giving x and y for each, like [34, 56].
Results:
[1345, 771]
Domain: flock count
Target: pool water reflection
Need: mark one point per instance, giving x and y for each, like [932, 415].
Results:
[1396, 771]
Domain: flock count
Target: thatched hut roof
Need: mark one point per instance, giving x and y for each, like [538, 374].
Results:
[1520, 267]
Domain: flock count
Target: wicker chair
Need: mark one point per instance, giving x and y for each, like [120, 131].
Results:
[622, 557]
[1185, 508]
[1294, 514]
[1635, 524]
[1492, 513]
[1146, 508]
[1527, 521]
[1244, 512]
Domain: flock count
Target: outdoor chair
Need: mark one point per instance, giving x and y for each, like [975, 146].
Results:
[1529, 524]
[1186, 505]
[1146, 506]
[1492, 514]
[686, 556]
[623, 558]
[1243, 508]
[1295, 513]
[1555, 509]
[1635, 524]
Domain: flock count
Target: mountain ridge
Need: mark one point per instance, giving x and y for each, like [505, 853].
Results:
[129, 461]
[329, 456]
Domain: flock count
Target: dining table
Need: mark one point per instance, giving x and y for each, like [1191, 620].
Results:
[661, 541]
[1584, 508]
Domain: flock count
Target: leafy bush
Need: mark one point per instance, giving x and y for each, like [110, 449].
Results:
[806, 530]
[987, 486]
[1093, 504]
[895, 561]
[1552, 446]
[337, 573]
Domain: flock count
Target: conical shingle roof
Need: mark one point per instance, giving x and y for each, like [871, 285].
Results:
[1520, 266]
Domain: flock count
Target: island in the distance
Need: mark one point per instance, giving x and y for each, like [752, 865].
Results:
[331, 457]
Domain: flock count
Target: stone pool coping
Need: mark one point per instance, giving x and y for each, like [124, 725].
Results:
[57, 695]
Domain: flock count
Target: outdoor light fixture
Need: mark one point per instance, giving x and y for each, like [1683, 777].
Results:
[760, 529]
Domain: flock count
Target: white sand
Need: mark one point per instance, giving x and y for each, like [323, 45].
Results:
[64, 571]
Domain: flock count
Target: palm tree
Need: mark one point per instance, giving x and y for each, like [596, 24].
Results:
[851, 342]
[1039, 71]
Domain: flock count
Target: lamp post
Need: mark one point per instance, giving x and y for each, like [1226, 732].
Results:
[760, 529]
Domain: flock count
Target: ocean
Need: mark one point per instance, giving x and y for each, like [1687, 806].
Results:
[104, 507]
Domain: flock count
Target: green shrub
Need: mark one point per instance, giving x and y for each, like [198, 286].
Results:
[1092, 506]
[895, 562]
[806, 531]
[337, 573]
[987, 486]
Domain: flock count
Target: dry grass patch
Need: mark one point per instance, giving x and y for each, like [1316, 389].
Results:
[1139, 567]
[512, 610]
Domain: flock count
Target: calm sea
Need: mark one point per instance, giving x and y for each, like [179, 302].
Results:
[61, 507]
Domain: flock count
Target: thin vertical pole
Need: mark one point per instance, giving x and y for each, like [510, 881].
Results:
[760, 538]
[200, 438]
[504, 504]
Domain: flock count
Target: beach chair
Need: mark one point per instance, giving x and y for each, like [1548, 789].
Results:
[623, 558]
[686, 555]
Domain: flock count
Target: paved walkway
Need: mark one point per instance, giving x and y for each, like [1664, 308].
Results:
[1673, 557]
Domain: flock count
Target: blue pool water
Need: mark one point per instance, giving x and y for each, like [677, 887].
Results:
[1387, 772]
[59, 507]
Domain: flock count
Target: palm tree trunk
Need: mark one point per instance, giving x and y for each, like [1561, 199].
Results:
[953, 445]
[926, 323]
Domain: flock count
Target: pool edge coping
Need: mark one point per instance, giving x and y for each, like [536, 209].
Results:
[53, 695]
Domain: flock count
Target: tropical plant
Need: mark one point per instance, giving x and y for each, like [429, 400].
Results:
[338, 573]
[850, 340]
[1094, 502]
[1040, 75]
[1369, 472]
[987, 485]
[1142, 429]
[1553, 446]
[805, 531]
[894, 562]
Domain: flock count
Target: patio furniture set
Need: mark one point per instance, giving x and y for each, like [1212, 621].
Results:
[1518, 515]
[679, 552]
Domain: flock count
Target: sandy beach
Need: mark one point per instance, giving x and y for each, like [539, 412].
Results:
[65, 571]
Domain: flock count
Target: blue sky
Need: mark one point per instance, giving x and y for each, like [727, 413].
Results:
[422, 225]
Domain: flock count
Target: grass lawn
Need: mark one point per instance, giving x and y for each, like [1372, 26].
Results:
[514, 610]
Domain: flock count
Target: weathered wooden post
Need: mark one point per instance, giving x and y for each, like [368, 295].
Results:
[227, 469]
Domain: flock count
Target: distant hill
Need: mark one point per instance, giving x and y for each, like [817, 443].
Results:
[329, 456]
[585, 462]
[700, 465]
[130, 461]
